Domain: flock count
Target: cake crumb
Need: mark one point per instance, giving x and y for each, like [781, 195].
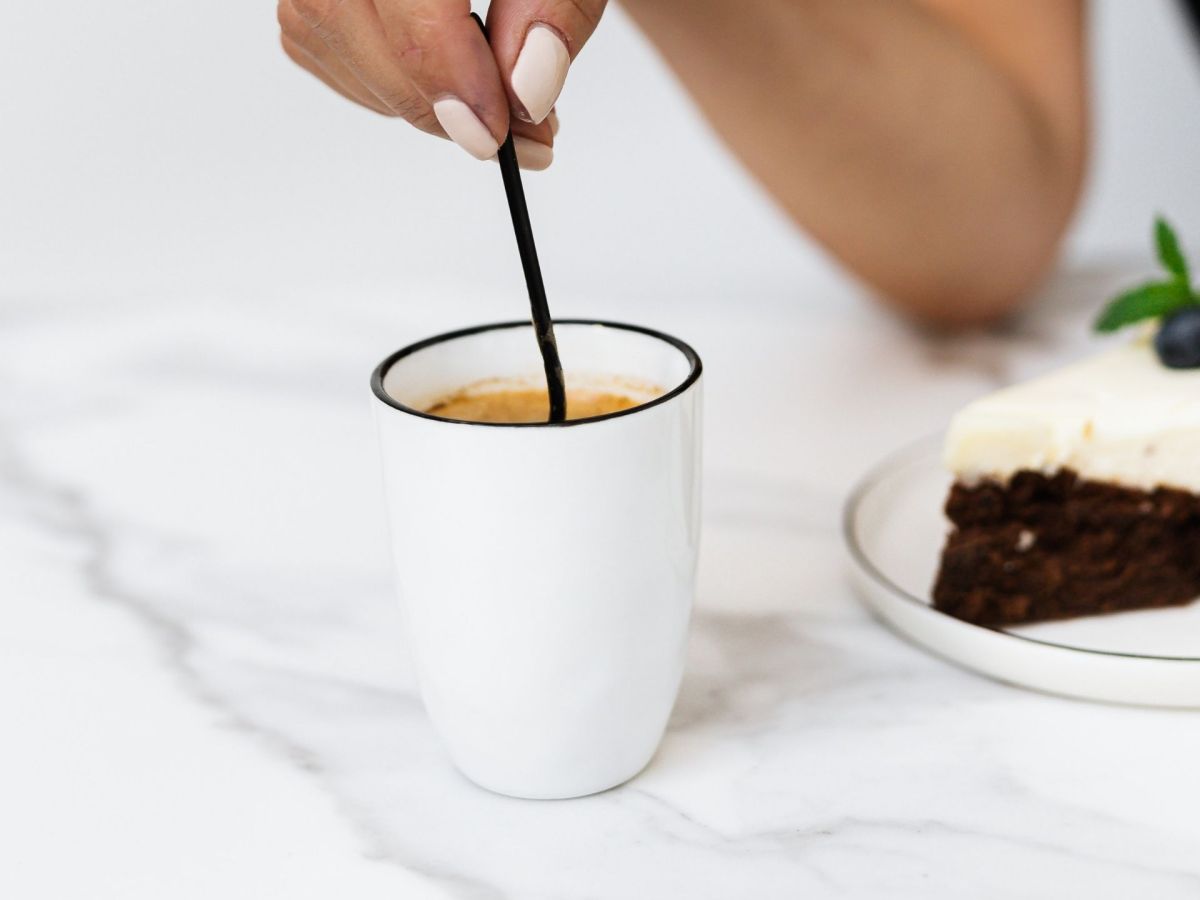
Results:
[1025, 541]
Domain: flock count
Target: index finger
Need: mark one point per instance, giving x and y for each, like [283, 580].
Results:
[447, 60]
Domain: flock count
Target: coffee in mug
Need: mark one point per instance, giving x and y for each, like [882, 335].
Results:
[512, 401]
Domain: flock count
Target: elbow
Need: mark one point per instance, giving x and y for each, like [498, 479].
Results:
[977, 287]
[986, 267]
[945, 305]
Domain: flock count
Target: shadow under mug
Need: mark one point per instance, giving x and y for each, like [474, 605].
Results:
[547, 571]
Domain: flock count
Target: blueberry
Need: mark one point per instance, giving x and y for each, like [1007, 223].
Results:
[1178, 340]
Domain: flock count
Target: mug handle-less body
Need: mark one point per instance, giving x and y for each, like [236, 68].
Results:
[548, 571]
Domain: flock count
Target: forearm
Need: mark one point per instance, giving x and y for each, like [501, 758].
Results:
[887, 135]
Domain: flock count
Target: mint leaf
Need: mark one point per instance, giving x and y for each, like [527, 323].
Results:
[1168, 250]
[1149, 301]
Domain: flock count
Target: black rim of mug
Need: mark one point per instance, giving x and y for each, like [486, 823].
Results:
[381, 370]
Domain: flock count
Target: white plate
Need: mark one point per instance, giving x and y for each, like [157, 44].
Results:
[894, 529]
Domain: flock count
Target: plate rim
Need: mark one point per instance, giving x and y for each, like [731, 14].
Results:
[850, 510]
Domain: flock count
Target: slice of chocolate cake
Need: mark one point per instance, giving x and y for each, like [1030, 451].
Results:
[1077, 493]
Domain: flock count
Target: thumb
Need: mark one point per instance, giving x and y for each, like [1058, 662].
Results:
[534, 42]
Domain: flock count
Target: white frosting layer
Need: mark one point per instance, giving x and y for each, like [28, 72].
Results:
[1119, 417]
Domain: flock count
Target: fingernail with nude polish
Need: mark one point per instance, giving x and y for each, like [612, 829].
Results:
[540, 71]
[532, 155]
[465, 128]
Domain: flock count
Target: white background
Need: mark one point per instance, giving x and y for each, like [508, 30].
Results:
[169, 148]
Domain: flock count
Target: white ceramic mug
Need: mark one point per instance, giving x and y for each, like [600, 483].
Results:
[547, 570]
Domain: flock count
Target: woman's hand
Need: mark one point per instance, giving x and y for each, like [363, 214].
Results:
[427, 61]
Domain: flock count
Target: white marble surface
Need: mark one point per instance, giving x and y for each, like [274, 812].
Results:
[206, 690]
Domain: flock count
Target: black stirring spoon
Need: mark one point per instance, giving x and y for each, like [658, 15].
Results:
[543, 325]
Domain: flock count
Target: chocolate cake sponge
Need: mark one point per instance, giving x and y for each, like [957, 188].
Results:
[1053, 547]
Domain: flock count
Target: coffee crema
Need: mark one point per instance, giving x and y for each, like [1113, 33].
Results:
[524, 405]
